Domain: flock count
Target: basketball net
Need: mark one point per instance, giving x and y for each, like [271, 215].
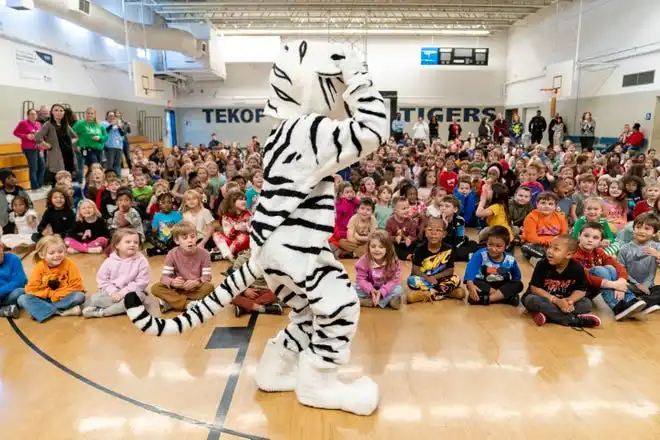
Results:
[553, 98]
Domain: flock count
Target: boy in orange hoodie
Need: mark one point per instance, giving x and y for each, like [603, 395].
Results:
[55, 285]
[541, 226]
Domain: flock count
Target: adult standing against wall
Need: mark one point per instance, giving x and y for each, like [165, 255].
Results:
[558, 131]
[126, 127]
[397, 127]
[517, 129]
[420, 131]
[455, 130]
[433, 129]
[587, 132]
[551, 128]
[500, 128]
[91, 137]
[26, 131]
[537, 127]
[485, 130]
[55, 136]
[114, 144]
[73, 160]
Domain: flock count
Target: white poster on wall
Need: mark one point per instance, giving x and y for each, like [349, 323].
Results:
[34, 64]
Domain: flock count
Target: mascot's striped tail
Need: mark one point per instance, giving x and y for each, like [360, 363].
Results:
[234, 284]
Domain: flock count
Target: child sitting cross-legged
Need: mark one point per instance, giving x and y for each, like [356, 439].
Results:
[605, 275]
[25, 224]
[162, 224]
[593, 213]
[125, 270]
[58, 217]
[378, 274]
[232, 236]
[640, 258]
[492, 274]
[186, 271]
[541, 226]
[256, 298]
[12, 284]
[90, 233]
[403, 230]
[558, 286]
[360, 226]
[55, 285]
[433, 275]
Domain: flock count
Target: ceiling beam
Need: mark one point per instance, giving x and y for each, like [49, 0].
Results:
[351, 5]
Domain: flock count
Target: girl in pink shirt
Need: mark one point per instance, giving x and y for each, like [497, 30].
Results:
[378, 274]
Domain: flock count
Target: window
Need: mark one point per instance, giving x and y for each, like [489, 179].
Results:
[638, 79]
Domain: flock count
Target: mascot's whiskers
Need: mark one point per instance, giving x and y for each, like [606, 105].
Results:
[328, 116]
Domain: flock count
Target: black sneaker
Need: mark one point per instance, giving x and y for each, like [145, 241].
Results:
[512, 301]
[587, 320]
[238, 312]
[10, 311]
[216, 256]
[484, 300]
[627, 309]
[273, 309]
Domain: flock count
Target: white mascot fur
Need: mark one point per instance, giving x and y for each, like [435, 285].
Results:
[327, 116]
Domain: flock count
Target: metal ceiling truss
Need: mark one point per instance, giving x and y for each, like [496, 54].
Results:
[350, 14]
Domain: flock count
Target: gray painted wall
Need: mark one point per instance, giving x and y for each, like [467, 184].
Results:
[12, 99]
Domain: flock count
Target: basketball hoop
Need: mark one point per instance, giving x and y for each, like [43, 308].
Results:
[553, 98]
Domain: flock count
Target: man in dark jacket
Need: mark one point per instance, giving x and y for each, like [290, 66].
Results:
[537, 126]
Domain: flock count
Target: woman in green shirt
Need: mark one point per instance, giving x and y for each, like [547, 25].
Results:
[91, 137]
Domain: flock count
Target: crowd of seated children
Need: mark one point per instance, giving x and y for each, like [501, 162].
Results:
[378, 273]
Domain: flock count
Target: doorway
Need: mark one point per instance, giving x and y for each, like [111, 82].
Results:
[170, 128]
[654, 139]
[509, 113]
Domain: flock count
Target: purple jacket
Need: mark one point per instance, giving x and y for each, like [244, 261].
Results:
[123, 275]
[23, 129]
[369, 278]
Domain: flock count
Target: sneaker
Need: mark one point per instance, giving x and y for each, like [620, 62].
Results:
[513, 301]
[587, 320]
[216, 256]
[539, 318]
[10, 311]
[238, 312]
[273, 309]
[164, 306]
[627, 309]
[71, 251]
[73, 311]
[92, 312]
[396, 303]
[484, 300]
[95, 250]
[649, 310]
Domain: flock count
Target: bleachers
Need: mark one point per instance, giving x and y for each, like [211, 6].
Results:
[602, 142]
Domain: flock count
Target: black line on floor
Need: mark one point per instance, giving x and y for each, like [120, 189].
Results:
[213, 428]
[232, 381]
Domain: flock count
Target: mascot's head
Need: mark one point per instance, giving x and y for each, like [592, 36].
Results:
[307, 78]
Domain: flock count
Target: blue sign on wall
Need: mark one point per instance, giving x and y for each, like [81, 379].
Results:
[233, 115]
[647, 116]
[430, 56]
[447, 114]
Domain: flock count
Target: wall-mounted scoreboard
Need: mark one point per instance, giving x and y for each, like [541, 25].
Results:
[454, 56]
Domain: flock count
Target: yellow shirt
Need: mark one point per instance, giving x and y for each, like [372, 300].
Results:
[499, 217]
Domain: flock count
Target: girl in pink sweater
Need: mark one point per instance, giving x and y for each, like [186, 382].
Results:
[345, 208]
[378, 274]
[125, 270]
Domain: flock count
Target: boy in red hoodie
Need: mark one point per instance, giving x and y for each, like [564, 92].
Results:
[605, 275]
[542, 225]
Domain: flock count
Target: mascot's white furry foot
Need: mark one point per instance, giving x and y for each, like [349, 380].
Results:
[320, 388]
[277, 369]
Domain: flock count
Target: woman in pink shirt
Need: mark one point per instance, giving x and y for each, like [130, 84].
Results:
[26, 131]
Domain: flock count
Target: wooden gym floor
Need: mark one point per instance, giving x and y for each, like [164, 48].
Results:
[445, 370]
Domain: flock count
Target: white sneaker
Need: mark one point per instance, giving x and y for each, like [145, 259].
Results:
[277, 369]
[95, 250]
[92, 312]
[73, 311]
[71, 251]
[649, 310]
[320, 388]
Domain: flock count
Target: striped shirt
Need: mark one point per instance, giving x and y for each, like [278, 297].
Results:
[195, 266]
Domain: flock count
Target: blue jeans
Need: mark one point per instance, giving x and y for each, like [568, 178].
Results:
[127, 153]
[92, 156]
[113, 160]
[396, 293]
[609, 273]
[12, 298]
[42, 309]
[37, 168]
[80, 166]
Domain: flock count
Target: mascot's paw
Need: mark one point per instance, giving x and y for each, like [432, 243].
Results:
[321, 388]
[132, 300]
[277, 369]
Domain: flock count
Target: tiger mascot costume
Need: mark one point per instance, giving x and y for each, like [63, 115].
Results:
[328, 115]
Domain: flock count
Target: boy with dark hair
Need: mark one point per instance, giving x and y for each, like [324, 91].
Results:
[640, 258]
[126, 216]
[557, 289]
[186, 271]
[403, 229]
[162, 224]
[605, 276]
[519, 208]
[541, 226]
[432, 276]
[492, 274]
[107, 199]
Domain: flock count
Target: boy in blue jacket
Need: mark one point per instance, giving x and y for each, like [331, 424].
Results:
[12, 283]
